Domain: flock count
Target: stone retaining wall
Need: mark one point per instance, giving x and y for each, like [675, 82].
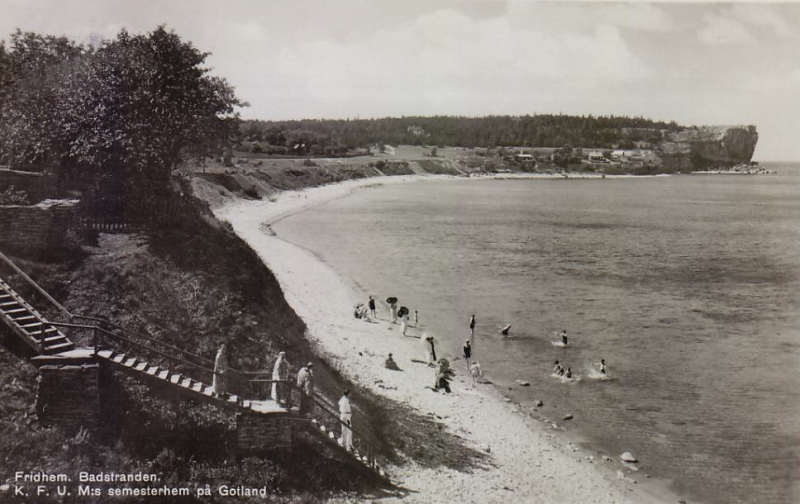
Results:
[36, 227]
[256, 432]
[68, 396]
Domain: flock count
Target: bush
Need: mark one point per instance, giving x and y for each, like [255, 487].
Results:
[14, 196]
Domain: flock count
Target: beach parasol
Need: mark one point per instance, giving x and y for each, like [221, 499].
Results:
[402, 311]
[391, 300]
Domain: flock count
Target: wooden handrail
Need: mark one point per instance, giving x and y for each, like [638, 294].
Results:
[35, 285]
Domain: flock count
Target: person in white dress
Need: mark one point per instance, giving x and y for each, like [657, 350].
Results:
[220, 370]
[345, 415]
[280, 373]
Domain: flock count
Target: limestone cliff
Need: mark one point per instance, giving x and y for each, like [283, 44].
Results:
[707, 146]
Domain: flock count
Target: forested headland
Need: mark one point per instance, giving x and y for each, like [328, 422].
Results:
[337, 136]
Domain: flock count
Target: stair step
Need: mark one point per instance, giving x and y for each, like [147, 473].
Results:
[4, 296]
[163, 374]
[233, 399]
[23, 318]
[107, 354]
[208, 391]
[119, 359]
[59, 347]
[197, 387]
[130, 362]
[186, 382]
[51, 339]
[15, 310]
[6, 304]
[31, 325]
[175, 378]
[152, 371]
[141, 366]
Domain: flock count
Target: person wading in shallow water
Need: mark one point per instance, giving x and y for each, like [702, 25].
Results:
[472, 326]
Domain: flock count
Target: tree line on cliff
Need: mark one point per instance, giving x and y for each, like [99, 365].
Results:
[337, 136]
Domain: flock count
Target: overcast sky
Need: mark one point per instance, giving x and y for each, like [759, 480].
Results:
[692, 63]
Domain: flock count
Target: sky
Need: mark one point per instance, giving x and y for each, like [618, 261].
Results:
[696, 64]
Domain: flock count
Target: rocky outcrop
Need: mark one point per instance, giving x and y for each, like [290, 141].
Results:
[708, 146]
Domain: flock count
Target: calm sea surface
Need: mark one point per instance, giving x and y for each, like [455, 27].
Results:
[688, 287]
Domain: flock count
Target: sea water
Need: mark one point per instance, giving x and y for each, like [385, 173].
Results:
[687, 286]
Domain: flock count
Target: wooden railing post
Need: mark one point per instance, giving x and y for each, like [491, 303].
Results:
[95, 339]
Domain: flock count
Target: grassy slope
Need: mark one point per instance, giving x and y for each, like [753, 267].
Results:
[196, 286]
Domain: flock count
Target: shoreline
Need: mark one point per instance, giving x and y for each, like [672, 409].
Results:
[523, 449]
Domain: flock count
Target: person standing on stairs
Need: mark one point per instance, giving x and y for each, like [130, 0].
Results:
[305, 382]
[280, 373]
[345, 415]
[220, 369]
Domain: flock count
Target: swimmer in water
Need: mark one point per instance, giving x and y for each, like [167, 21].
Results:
[564, 337]
[569, 373]
[603, 366]
[558, 369]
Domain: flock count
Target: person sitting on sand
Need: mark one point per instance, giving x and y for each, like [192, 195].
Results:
[391, 364]
[558, 370]
[564, 337]
[443, 375]
[603, 366]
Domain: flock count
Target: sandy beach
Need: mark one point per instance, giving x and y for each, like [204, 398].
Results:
[529, 460]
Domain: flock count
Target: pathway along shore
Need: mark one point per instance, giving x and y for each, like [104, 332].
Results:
[528, 462]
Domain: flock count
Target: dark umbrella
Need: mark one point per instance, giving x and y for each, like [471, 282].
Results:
[391, 300]
[402, 311]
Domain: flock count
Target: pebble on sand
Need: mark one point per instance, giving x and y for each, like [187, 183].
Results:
[629, 458]
[538, 404]
[523, 383]
[568, 416]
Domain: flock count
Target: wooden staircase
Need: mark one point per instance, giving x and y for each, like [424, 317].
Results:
[149, 373]
[47, 340]
[30, 325]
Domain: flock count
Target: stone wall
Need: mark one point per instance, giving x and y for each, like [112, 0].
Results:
[256, 432]
[68, 396]
[36, 227]
[38, 187]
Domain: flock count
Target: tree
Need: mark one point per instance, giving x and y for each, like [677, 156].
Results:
[120, 115]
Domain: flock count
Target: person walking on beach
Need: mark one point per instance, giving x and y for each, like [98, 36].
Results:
[416, 318]
[220, 370]
[305, 382]
[404, 322]
[472, 326]
[345, 415]
[372, 308]
[427, 345]
[393, 306]
[467, 353]
[280, 373]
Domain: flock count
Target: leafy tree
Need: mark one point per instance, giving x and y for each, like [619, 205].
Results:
[120, 115]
